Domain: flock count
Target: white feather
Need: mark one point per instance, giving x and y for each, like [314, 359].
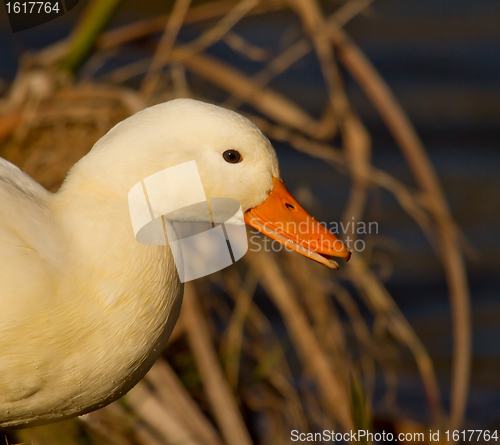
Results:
[86, 309]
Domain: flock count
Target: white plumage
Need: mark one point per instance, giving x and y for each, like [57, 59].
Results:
[85, 308]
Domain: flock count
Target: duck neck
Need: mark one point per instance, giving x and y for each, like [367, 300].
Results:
[130, 292]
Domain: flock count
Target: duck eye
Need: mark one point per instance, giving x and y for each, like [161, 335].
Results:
[232, 156]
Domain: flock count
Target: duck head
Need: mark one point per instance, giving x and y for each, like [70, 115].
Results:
[234, 159]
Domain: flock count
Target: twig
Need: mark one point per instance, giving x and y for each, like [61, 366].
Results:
[381, 301]
[219, 30]
[349, 10]
[196, 14]
[333, 392]
[241, 46]
[172, 393]
[234, 333]
[158, 416]
[224, 407]
[165, 45]
[298, 50]
[267, 345]
[313, 22]
[411, 146]
[355, 139]
[335, 158]
[324, 318]
[268, 101]
[372, 286]
[84, 36]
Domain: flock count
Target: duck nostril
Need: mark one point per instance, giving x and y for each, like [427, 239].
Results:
[289, 206]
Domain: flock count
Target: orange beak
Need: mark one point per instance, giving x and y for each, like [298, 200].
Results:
[283, 219]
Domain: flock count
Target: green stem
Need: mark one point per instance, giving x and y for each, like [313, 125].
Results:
[94, 19]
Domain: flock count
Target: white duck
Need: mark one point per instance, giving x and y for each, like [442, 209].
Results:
[86, 309]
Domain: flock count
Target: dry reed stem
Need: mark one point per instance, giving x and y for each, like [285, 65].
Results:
[325, 320]
[162, 419]
[357, 148]
[256, 320]
[115, 425]
[266, 338]
[144, 436]
[326, 126]
[224, 406]
[267, 101]
[370, 349]
[179, 81]
[377, 292]
[277, 66]
[140, 431]
[279, 375]
[381, 301]
[336, 399]
[172, 393]
[165, 45]
[413, 150]
[357, 322]
[312, 20]
[208, 38]
[297, 51]
[349, 10]
[227, 77]
[355, 138]
[220, 29]
[233, 337]
[334, 157]
[8, 124]
[241, 46]
[291, 400]
[198, 13]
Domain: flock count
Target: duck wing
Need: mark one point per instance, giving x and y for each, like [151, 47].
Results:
[30, 251]
[30, 246]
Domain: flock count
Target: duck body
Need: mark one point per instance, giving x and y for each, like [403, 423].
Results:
[85, 308]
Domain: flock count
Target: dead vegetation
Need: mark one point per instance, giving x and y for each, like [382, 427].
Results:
[229, 375]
